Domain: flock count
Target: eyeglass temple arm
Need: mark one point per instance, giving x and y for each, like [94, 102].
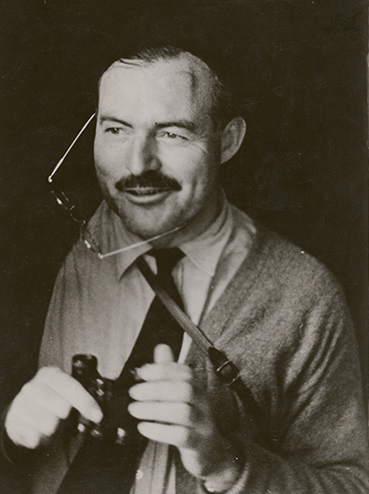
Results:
[60, 162]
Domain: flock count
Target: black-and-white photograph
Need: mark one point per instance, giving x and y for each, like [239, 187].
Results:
[184, 247]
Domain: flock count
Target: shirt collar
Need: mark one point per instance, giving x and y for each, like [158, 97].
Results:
[204, 251]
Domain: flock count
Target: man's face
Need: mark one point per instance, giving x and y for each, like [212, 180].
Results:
[157, 152]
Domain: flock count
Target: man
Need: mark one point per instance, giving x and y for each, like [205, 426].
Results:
[164, 127]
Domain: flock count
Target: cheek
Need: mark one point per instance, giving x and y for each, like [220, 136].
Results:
[101, 157]
[197, 185]
[190, 165]
[108, 162]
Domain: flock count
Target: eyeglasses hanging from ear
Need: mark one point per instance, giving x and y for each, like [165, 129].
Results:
[63, 201]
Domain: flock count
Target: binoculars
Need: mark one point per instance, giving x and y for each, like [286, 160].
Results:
[117, 423]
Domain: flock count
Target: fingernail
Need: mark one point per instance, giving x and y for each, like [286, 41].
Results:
[136, 375]
[132, 409]
[131, 392]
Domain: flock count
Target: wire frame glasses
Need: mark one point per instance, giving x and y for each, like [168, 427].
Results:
[63, 200]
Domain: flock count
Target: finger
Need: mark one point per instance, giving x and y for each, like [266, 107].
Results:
[169, 413]
[70, 389]
[45, 397]
[25, 435]
[163, 354]
[168, 391]
[42, 420]
[171, 371]
[175, 435]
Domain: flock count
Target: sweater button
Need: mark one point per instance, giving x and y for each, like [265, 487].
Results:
[139, 475]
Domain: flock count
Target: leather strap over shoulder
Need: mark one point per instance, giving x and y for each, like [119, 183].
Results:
[225, 369]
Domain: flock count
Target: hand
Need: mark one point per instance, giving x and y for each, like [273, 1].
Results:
[174, 411]
[43, 402]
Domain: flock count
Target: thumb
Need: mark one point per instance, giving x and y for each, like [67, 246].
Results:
[163, 354]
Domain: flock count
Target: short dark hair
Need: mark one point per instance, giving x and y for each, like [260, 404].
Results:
[223, 108]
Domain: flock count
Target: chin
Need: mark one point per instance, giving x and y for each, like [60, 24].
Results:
[146, 229]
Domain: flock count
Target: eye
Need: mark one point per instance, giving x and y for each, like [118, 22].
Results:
[174, 136]
[113, 130]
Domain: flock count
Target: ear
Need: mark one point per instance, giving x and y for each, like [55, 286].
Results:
[232, 138]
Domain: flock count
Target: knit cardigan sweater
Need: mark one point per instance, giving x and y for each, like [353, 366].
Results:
[284, 323]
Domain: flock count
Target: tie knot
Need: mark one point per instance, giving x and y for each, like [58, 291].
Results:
[166, 259]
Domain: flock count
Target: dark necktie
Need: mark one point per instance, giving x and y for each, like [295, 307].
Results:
[101, 466]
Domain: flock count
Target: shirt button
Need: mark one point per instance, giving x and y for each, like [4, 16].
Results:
[120, 436]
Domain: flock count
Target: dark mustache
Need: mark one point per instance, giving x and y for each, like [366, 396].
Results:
[151, 178]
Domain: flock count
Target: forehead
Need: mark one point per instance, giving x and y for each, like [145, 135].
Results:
[171, 86]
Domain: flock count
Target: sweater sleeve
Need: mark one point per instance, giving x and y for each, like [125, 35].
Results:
[313, 435]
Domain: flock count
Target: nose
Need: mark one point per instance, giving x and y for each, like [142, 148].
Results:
[143, 155]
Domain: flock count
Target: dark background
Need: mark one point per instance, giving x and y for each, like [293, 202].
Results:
[301, 72]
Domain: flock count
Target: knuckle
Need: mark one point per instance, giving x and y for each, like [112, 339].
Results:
[11, 423]
[49, 425]
[14, 415]
[188, 392]
[16, 412]
[48, 373]
[43, 373]
[25, 436]
[184, 436]
[185, 411]
[32, 439]
[187, 373]
[63, 409]
[26, 394]
[28, 388]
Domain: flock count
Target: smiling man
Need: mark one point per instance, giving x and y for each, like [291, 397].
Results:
[164, 126]
[157, 147]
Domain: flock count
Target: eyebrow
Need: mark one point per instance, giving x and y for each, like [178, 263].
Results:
[184, 124]
[107, 118]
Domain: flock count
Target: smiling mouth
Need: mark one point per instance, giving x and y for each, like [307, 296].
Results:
[149, 184]
[144, 191]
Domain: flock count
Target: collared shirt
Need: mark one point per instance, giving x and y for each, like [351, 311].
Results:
[99, 305]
